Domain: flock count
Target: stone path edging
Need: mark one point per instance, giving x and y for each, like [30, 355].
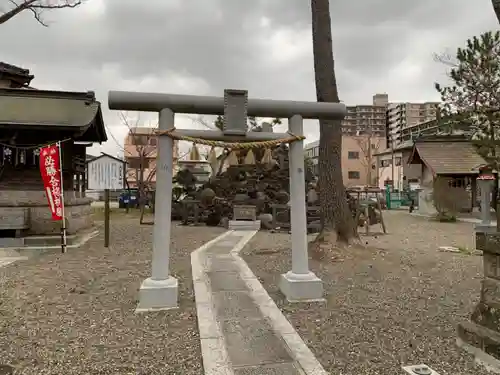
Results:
[213, 346]
[214, 352]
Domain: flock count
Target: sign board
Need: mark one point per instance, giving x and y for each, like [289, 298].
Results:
[106, 172]
[235, 112]
[244, 212]
[488, 177]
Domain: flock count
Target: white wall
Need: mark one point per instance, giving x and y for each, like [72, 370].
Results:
[385, 172]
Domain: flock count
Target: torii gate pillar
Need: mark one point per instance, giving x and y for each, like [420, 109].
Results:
[159, 292]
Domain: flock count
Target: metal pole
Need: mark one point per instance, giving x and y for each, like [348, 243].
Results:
[163, 205]
[106, 217]
[369, 182]
[392, 165]
[300, 261]
[63, 222]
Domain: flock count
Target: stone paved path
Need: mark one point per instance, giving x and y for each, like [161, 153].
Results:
[242, 337]
[10, 256]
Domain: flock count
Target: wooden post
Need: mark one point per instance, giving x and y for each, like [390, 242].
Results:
[106, 217]
[379, 206]
[367, 218]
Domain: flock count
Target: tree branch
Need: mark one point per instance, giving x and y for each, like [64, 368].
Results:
[36, 7]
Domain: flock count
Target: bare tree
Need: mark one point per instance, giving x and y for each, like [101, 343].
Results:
[142, 151]
[369, 146]
[37, 7]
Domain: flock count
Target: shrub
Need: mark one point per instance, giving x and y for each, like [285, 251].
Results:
[448, 200]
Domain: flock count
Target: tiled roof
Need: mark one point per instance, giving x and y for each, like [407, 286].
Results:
[143, 130]
[21, 76]
[448, 157]
[53, 109]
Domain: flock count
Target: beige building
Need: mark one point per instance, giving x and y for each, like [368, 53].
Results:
[404, 116]
[393, 167]
[141, 143]
[367, 119]
[359, 165]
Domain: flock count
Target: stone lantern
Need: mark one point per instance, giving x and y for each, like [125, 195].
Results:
[485, 182]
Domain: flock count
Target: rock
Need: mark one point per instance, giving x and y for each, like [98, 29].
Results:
[224, 222]
[312, 196]
[266, 221]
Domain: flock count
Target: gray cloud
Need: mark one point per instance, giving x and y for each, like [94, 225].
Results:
[201, 47]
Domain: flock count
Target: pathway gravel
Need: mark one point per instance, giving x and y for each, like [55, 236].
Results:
[395, 303]
[73, 313]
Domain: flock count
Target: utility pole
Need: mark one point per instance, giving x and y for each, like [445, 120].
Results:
[369, 154]
[392, 159]
[367, 150]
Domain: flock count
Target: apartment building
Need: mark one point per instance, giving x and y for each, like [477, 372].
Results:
[358, 158]
[404, 116]
[367, 119]
[141, 144]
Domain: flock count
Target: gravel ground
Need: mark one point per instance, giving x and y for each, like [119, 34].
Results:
[74, 313]
[395, 303]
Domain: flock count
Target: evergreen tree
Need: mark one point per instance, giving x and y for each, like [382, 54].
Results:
[472, 100]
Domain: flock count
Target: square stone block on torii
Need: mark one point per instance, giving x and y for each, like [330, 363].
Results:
[160, 291]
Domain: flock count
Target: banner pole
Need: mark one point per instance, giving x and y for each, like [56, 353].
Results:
[63, 223]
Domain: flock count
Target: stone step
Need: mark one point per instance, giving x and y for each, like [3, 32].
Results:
[244, 225]
[40, 243]
[480, 337]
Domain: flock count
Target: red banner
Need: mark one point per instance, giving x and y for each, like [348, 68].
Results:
[51, 176]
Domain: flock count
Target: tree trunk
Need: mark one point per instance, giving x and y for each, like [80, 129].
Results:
[496, 8]
[140, 189]
[337, 221]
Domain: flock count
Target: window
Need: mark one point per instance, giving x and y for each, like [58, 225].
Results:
[374, 146]
[397, 161]
[139, 140]
[135, 163]
[385, 163]
[153, 142]
[353, 175]
[352, 155]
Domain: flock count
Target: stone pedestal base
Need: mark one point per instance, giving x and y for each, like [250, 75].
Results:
[481, 336]
[482, 343]
[244, 225]
[301, 287]
[78, 212]
[485, 228]
[155, 295]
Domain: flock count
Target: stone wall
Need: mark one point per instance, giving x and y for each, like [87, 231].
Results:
[77, 211]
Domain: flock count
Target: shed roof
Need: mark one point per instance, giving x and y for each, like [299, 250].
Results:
[78, 112]
[447, 157]
[104, 155]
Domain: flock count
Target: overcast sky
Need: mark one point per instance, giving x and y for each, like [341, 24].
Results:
[203, 46]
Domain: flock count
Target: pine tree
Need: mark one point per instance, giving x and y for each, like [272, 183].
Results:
[472, 101]
[337, 224]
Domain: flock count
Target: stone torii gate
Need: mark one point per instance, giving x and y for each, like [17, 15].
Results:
[160, 291]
